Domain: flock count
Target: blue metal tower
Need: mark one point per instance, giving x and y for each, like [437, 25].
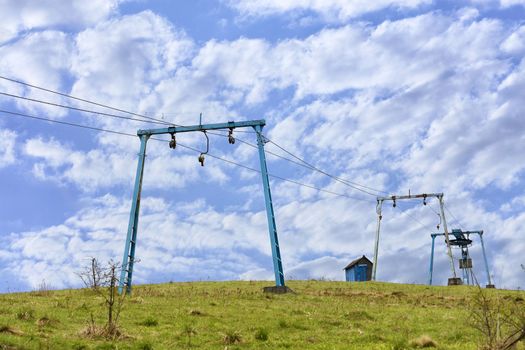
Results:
[462, 241]
[131, 239]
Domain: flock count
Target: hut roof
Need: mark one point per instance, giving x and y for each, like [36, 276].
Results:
[356, 261]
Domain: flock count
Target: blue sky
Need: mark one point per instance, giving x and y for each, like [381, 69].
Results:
[415, 95]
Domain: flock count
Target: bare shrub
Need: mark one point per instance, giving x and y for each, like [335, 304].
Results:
[104, 282]
[501, 321]
[92, 275]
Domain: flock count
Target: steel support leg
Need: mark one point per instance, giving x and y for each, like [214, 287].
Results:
[485, 257]
[376, 246]
[131, 239]
[452, 267]
[431, 261]
[274, 241]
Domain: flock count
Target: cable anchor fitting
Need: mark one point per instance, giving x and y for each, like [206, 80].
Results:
[231, 139]
[201, 157]
[173, 142]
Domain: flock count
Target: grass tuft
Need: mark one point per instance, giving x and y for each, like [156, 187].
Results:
[45, 321]
[232, 337]
[423, 342]
[145, 346]
[149, 322]
[93, 331]
[25, 314]
[261, 334]
[196, 312]
[10, 330]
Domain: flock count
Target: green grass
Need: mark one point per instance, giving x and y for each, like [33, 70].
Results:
[238, 315]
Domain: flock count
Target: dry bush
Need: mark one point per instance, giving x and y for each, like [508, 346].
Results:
[423, 342]
[94, 331]
[232, 337]
[92, 276]
[104, 282]
[501, 321]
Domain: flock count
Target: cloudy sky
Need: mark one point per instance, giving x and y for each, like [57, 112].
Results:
[394, 95]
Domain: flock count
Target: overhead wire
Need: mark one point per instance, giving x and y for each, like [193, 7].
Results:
[301, 162]
[349, 183]
[266, 150]
[425, 226]
[178, 144]
[159, 121]
[454, 217]
[65, 123]
[79, 99]
[78, 109]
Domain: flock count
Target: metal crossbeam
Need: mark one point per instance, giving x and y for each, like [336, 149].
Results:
[202, 127]
[131, 239]
[394, 198]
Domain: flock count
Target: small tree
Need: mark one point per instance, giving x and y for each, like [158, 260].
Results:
[104, 282]
[500, 321]
[91, 275]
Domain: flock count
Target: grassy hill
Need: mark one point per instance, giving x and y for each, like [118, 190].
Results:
[238, 315]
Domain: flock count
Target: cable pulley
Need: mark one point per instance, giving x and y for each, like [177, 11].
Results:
[424, 199]
[201, 157]
[173, 142]
[231, 139]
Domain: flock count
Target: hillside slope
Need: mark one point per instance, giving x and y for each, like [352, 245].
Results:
[238, 315]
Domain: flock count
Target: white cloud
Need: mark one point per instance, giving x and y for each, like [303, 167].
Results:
[41, 58]
[22, 15]
[202, 243]
[89, 170]
[515, 43]
[185, 240]
[123, 59]
[509, 3]
[345, 58]
[99, 168]
[329, 10]
[7, 147]
[326, 267]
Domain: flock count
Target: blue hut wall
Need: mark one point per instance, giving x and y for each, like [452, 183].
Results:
[357, 273]
[350, 275]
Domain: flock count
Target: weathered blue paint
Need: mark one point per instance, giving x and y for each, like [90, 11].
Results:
[360, 273]
[274, 241]
[357, 273]
[190, 128]
[131, 238]
[431, 260]
[350, 275]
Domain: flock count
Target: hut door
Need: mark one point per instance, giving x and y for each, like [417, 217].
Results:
[360, 273]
